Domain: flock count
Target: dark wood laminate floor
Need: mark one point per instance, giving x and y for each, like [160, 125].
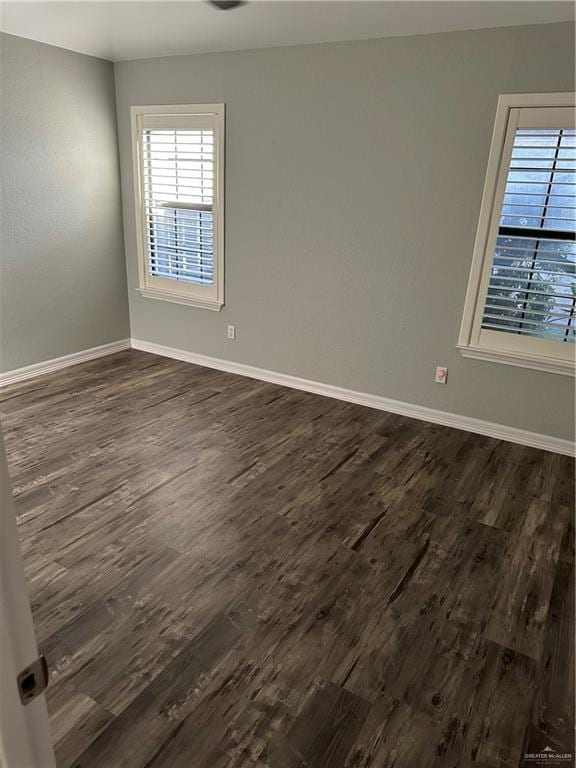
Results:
[228, 573]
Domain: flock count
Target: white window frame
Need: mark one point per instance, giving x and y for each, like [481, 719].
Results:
[149, 286]
[495, 346]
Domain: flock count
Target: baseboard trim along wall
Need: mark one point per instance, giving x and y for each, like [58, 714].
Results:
[47, 366]
[466, 423]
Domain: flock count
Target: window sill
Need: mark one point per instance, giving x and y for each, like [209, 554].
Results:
[520, 359]
[177, 298]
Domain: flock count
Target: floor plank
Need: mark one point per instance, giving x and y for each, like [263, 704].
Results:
[225, 573]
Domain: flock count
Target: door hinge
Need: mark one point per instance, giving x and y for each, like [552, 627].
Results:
[33, 680]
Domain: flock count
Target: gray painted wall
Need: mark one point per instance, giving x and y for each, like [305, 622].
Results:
[63, 277]
[354, 178]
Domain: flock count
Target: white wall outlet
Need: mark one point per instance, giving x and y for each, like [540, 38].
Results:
[231, 331]
[441, 375]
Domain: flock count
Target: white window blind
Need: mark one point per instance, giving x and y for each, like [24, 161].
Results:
[532, 287]
[521, 302]
[179, 154]
[179, 188]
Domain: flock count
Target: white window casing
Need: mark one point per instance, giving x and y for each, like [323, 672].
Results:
[520, 303]
[178, 156]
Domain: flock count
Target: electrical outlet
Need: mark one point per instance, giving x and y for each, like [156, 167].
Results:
[231, 331]
[441, 375]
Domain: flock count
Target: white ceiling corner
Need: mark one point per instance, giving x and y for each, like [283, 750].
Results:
[119, 30]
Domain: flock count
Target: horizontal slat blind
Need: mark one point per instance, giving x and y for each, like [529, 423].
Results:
[178, 194]
[532, 287]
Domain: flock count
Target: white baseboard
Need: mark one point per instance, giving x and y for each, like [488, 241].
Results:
[466, 423]
[47, 366]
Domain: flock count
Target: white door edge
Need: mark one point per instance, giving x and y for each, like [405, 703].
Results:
[25, 740]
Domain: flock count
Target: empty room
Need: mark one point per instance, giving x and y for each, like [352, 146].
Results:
[287, 404]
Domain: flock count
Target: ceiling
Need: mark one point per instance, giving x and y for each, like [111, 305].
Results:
[131, 30]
